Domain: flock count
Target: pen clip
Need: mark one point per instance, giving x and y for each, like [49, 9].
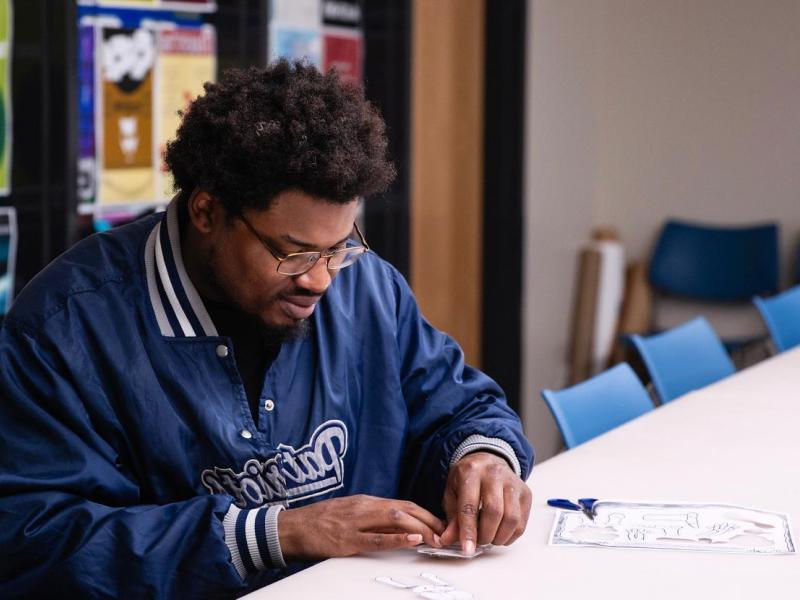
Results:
[584, 505]
[563, 503]
[587, 506]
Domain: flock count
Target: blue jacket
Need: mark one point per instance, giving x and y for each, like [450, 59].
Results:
[127, 435]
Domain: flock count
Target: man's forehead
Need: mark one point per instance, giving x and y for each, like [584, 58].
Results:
[290, 239]
[294, 202]
[302, 220]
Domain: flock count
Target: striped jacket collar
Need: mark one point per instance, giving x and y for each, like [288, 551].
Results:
[179, 310]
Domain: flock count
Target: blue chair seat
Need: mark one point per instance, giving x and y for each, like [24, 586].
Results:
[603, 402]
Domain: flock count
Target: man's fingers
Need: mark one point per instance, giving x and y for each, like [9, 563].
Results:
[526, 500]
[492, 511]
[375, 542]
[469, 498]
[399, 516]
[512, 517]
[401, 520]
[431, 520]
[450, 534]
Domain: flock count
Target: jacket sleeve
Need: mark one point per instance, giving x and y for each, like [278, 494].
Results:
[71, 519]
[453, 408]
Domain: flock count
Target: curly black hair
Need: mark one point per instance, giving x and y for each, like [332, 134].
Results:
[259, 132]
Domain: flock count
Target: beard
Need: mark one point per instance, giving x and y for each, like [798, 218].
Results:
[271, 333]
[277, 334]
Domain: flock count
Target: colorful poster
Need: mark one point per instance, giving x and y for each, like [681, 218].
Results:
[86, 94]
[295, 44]
[341, 13]
[342, 51]
[124, 121]
[300, 13]
[6, 26]
[186, 60]
[8, 256]
[189, 5]
[198, 5]
[326, 33]
[142, 3]
[110, 49]
[294, 31]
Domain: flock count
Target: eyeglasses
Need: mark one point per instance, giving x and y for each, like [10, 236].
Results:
[298, 263]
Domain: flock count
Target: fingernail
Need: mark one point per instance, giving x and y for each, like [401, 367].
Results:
[469, 547]
[414, 538]
[437, 540]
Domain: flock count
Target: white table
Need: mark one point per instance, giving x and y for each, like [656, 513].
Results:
[736, 442]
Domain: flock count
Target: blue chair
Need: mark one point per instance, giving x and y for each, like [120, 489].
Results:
[683, 359]
[715, 263]
[588, 409]
[781, 314]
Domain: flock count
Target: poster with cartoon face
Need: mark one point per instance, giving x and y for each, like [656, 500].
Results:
[6, 26]
[125, 115]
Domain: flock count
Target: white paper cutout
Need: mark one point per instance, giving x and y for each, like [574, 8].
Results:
[436, 588]
[451, 551]
[684, 526]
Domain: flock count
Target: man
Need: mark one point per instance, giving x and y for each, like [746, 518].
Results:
[204, 401]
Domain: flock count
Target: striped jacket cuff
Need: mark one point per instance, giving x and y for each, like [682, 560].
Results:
[480, 442]
[252, 538]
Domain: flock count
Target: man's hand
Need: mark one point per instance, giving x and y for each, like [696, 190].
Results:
[485, 502]
[355, 524]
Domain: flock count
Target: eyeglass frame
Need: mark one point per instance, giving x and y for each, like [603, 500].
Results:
[280, 257]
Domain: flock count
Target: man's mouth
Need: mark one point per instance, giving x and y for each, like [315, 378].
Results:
[299, 307]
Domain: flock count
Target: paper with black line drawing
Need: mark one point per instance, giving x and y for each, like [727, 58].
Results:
[698, 527]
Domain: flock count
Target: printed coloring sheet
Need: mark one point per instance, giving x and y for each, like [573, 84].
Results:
[676, 526]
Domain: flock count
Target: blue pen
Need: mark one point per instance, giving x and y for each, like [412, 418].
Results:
[584, 505]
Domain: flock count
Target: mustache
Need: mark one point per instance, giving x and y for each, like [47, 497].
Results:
[302, 292]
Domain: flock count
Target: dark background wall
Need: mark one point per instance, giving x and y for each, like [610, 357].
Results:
[44, 104]
[44, 84]
[45, 144]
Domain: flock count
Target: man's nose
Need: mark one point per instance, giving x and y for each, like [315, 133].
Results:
[317, 279]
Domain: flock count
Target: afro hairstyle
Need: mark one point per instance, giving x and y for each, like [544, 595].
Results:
[259, 132]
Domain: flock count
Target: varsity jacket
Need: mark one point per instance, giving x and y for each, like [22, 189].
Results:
[130, 463]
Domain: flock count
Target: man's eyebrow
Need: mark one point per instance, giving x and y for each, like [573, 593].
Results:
[292, 240]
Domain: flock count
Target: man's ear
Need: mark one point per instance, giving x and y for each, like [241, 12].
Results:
[204, 211]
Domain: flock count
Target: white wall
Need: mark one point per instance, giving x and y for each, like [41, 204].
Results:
[700, 114]
[560, 164]
[639, 110]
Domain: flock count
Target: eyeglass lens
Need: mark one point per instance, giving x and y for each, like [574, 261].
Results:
[298, 264]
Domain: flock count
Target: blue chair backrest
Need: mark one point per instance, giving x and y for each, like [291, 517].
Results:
[684, 358]
[588, 409]
[716, 263]
[781, 313]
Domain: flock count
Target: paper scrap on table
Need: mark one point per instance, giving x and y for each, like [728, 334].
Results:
[675, 526]
[451, 551]
[434, 588]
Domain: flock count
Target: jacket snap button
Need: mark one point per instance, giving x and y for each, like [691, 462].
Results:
[246, 434]
[269, 404]
[222, 351]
